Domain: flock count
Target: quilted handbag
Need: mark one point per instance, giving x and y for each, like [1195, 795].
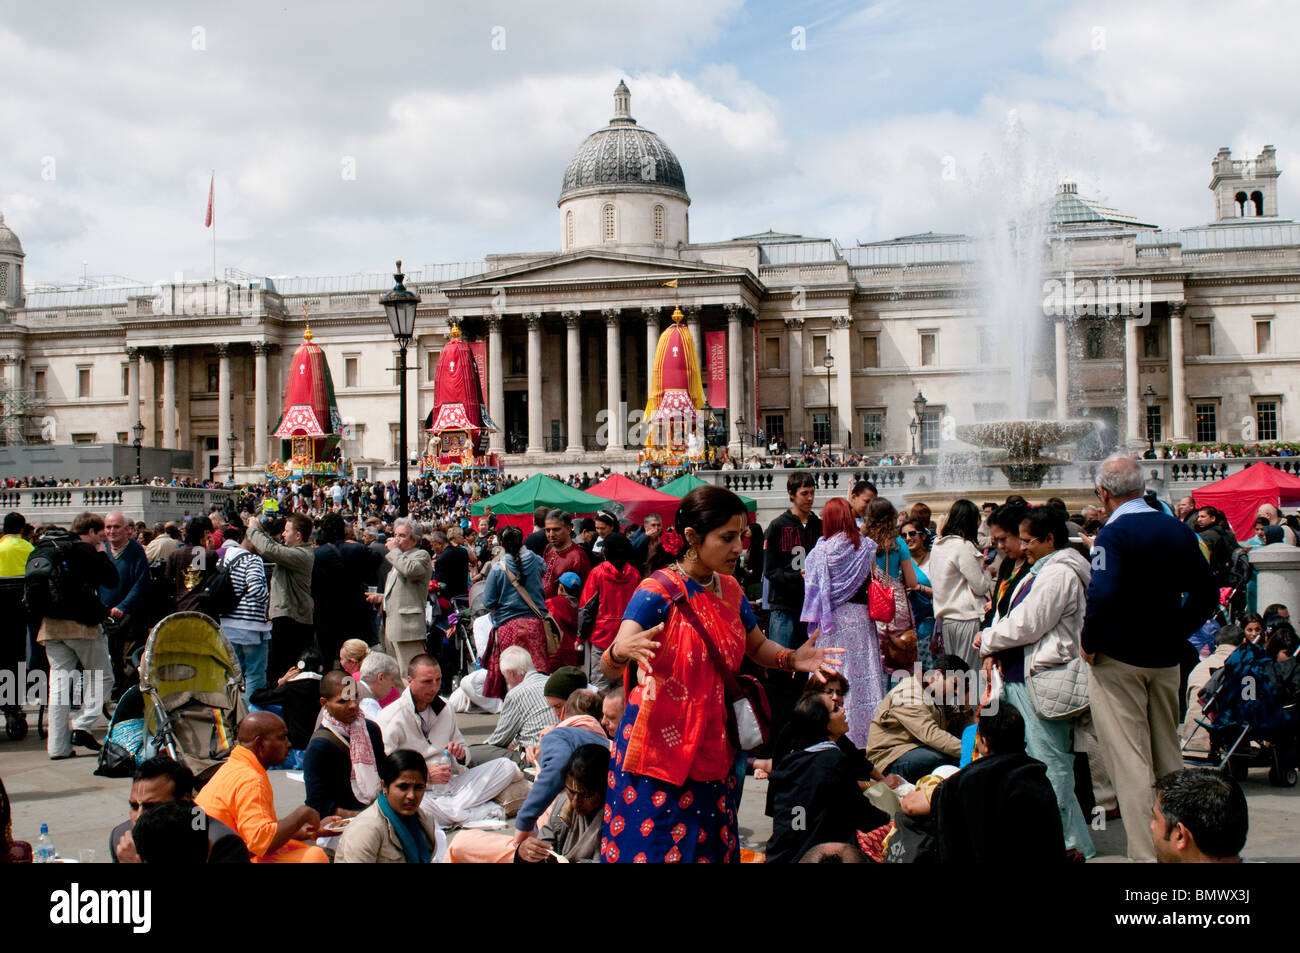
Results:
[880, 601]
[1059, 692]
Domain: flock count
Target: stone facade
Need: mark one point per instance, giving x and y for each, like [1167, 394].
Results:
[570, 335]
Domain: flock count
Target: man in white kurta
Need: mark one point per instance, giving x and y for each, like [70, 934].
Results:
[420, 721]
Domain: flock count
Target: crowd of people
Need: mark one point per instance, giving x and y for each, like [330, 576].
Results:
[980, 690]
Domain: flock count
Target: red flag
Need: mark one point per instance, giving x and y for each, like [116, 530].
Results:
[207, 223]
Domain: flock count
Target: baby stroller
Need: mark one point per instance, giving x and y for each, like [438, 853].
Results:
[1251, 713]
[193, 691]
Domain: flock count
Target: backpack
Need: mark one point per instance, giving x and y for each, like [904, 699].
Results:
[1240, 571]
[49, 586]
[213, 595]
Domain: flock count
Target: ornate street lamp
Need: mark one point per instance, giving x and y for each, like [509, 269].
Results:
[913, 426]
[740, 429]
[230, 442]
[829, 364]
[1149, 395]
[918, 406]
[138, 430]
[399, 305]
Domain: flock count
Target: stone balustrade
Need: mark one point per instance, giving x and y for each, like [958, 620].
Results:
[61, 505]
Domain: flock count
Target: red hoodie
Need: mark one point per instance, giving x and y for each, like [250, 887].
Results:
[565, 614]
[604, 600]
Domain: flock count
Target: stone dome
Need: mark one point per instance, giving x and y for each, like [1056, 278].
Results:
[9, 243]
[623, 155]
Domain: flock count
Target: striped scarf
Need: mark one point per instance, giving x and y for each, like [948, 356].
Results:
[365, 774]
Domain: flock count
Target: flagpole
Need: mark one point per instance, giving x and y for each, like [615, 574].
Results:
[214, 229]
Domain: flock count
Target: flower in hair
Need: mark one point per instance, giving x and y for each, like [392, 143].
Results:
[672, 542]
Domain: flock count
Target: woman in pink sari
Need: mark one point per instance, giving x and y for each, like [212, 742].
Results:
[837, 576]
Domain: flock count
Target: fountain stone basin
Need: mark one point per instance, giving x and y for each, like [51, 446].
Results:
[1025, 465]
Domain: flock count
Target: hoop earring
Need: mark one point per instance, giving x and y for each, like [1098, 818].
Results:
[690, 554]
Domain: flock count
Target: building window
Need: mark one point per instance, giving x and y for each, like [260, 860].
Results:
[349, 372]
[609, 223]
[1094, 342]
[987, 345]
[771, 354]
[818, 352]
[1263, 337]
[821, 428]
[83, 382]
[1203, 339]
[1155, 430]
[1266, 420]
[431, 365]
[395, 440]
[84, 439]
[873, 429]
[775, 427]
[518, 356]
[871, 351]
[38, 382]
[126, 380]
[397, 370]
[4, 279]
[659, 223]
[1151, 341]
[930, 430]
[1207, 423]
[929, 348]
[568, 229]
[214, 379]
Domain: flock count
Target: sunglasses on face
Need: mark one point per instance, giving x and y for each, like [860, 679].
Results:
[911, 534]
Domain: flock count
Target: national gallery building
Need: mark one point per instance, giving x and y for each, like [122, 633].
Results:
[1189, 335]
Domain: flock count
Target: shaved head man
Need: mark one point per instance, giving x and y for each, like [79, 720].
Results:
[239, 796]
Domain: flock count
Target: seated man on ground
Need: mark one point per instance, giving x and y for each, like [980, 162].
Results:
[579, 727]
[524, 714]
[913, 730]
[1001, 807]
[378, 683]
[815, 791]
[422, 722]
[1199, 817]
[339, 766]
[161, 780]
[397, 828]
[239, 795]
[573, 828]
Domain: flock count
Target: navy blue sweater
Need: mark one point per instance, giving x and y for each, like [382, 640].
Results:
[132, 589]
[1151, 588]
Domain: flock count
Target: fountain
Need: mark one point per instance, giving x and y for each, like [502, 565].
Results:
[1025, 466]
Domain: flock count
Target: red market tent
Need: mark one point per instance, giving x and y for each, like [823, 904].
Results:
[638, 501]
[1241, 495]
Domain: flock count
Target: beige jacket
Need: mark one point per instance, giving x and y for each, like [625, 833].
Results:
[956, 571]
[406, 590]
[908, 718]
[371, 839]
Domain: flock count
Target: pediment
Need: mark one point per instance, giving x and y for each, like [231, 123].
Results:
[597, 267]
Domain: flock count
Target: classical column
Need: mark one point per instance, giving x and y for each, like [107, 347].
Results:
[794, 334]
[692, 314]
[496, 384]
[132, 387]
[1177, 372]
[12, 420]
[1132, 395]
[844, 421]
[169, 397]
[260, 351]
[223, 406]
[573, 376]
[533, 319]
[613, 379]
[1062, 371]
[735, 377]
[651, 316]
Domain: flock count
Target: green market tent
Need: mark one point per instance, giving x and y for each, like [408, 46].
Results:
[539, 490]
[689, 481]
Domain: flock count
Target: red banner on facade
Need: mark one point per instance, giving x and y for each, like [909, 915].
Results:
[715, 349]
[479, 350]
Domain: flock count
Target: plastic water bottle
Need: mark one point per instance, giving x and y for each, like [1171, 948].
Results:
[443, 759]
[44, 853]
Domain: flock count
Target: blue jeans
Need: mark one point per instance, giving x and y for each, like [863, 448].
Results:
[917, 763]
[781, 627]
[252, 661]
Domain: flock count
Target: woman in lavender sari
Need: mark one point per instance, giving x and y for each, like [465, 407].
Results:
[837, 574]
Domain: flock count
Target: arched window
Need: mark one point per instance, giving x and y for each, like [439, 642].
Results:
[1258, 199]
[4, 279]
[568, 229]
[610, 223]
[1240, 199]
[659, 223]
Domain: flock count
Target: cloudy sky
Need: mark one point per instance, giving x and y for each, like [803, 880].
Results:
[346, 135]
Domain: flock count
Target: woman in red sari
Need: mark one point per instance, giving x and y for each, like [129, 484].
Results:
[671, 786]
